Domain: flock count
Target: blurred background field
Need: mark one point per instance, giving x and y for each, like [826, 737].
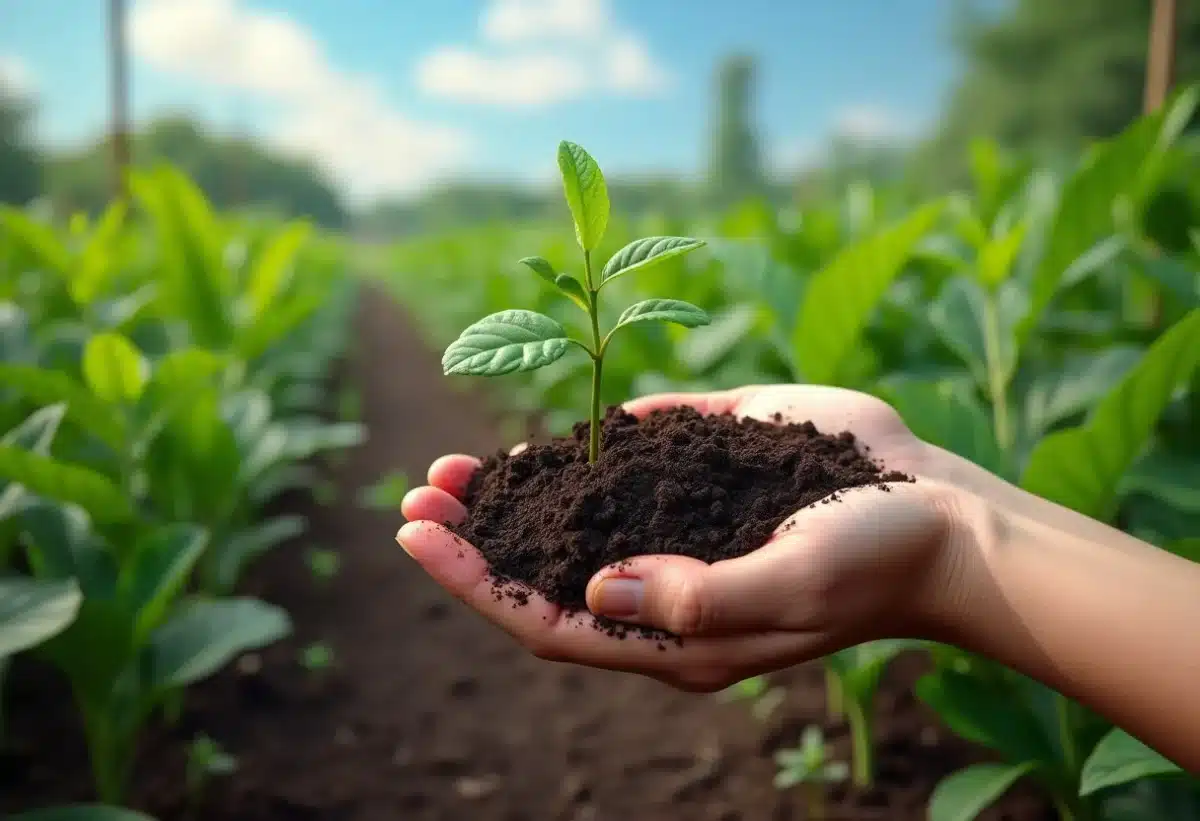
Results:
[237, 235]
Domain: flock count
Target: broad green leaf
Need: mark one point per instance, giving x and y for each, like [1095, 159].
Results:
[226, 561]
[708, 345]
[985, 714]
[1169, 474]
[968, 792]
[34, 434]
[1186, 548]
[46, 387]
[996, 258]
[158, 570]
[1174, 274]
[1081, 468]
[38, 240]
[82, 812]
[269, 273]
[541, 267]
[841, 297]
[275, 325]
[506, 342]
[1120, 758]
[114, 369]
[1075, 386]
[65, 482]
[33, 610]
[978, 326]
[96, 260]
[948, 417]
[645, 253]
[663, 310]
[202, 637]
[1117, 169]
[586, 192]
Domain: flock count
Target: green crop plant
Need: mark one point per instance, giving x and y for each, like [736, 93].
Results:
[205, 759]
[757, 690]
[810, 765]
[519, 340]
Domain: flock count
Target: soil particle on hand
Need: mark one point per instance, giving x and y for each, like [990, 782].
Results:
[676, 482]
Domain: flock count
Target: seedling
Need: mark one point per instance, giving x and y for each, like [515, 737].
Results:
[386, 494]
[205, 759]
[810, 765]
[323, 564]
[517, 340]
[763, 699]
[317, 657]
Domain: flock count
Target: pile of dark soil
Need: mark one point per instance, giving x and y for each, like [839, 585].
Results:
[676, 482]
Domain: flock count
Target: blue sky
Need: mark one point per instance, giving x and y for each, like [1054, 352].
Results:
[389, 95]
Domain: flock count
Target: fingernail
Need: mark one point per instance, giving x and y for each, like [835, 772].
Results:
[619, 598]
[400, 542]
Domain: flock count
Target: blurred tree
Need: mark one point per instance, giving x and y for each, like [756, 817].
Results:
[1045, 77]
[232, 171]
[20, 162]
[735, 170]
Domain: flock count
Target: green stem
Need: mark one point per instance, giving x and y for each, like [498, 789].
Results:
[597, 361]
[1066, 734]
[105, 755]
[862, 752]
[834, 698]
[997, 380]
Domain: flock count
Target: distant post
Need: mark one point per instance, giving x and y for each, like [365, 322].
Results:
[118, 94]
[1160, 58]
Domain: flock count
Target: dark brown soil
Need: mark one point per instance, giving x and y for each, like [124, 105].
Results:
[674, 483]
[431, 714]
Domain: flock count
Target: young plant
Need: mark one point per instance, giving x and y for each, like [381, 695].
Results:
[205, 759]
[385, 494]
[763, 698]
[317, 657]
[517, 340]
[810, 765]
[323, 564]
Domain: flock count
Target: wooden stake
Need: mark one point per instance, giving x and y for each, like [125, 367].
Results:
[119, 94]
[1160, 58]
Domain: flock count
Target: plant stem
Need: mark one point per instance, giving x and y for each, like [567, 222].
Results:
[834, 698]
[597, 361]
[997, 380]
[1066, 734]
[862, 753]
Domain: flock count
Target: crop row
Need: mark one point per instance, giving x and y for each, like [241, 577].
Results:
[163, 374]
[1045, 325]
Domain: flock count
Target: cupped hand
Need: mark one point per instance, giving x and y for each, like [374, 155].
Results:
[874, 565]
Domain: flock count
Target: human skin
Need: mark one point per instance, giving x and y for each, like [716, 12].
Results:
[960, 556]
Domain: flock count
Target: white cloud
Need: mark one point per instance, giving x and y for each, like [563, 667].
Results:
[869, 122]
[340, 120]
[859, 122]
[15, 76]
[542, 52]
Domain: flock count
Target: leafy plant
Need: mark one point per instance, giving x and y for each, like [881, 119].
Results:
[763, 698]
[519, 340]
[205, 759]
[810, 765]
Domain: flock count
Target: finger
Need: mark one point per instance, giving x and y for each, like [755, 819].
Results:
[551, 633]
[432, 504]
[452, 473]
[705, 403]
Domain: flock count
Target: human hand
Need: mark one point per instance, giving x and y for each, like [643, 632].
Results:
[872, 566]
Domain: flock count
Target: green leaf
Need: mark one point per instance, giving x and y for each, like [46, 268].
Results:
[202, 637]
[47, 387]
[1186, 548]
[966, 793]
[841, 297]
[231, 557]
[114, 369]
[985, 714]
[541, 267]
[506, 342]
[1075, 385]
[1120, 758]
[663, 310]
[32, 611]
[1116, 169]
[65, 482]
[586, 192]
[82, 812]
[645, 253]
[37, 239]
[158, 570]
[946, 416]
[1081, 468]
[961, 320]
[268, 275]
[996, 258]
[570, 286]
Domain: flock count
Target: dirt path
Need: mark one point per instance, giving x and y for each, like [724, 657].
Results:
[432, 714]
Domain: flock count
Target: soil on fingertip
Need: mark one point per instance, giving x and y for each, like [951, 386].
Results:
[675, 482]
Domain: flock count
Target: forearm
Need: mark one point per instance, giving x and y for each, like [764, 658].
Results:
[1101, 617]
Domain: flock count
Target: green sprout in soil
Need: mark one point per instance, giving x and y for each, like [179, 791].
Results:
[323, 564]
[763, 698]
[317, 657]
[205, 759]
[810, 765]
[516, 340]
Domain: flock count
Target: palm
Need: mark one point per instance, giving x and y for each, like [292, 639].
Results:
[550, 632]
